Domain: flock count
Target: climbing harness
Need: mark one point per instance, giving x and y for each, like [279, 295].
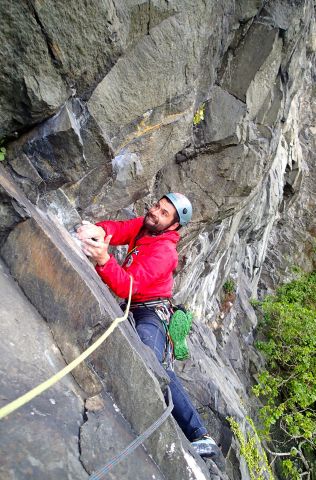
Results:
[177, 323]
[151, 303]
[135, 443]
[164, 313]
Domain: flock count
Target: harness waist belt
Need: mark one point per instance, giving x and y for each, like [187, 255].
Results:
[151, 303]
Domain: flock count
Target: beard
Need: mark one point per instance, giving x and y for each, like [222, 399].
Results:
[152, 225]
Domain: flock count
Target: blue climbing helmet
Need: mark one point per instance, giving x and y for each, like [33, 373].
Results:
[183, 206]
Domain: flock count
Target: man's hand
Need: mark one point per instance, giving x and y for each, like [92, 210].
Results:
[97, 250]
[88, 230]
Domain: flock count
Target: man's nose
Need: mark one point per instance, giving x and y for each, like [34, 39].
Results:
[154, 212]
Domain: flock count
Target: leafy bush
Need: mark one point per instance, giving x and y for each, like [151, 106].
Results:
[252, 451]
[229, 286]
[2, 152]
[288, 385]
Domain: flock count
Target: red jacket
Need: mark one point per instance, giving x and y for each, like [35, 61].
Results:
[151, 261]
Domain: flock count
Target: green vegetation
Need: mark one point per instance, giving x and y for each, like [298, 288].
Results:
[2, 152]
[199, 114]
[252, 451]
[288, 385]
[229, 286]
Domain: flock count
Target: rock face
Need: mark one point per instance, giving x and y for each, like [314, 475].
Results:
[53, 434]
[66, 290]
[98, 117]
[46, 432]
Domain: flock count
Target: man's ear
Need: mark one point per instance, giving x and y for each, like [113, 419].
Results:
[174, 226]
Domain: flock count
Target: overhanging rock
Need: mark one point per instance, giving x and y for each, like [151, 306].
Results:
[62, 284]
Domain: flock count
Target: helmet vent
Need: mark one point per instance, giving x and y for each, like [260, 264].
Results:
[185, 210]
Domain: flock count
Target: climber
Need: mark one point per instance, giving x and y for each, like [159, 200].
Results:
[151, 260]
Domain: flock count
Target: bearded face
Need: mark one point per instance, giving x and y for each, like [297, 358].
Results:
[161, 216]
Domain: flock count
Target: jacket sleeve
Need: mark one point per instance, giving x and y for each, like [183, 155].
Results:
[122, 231]
[144, 271]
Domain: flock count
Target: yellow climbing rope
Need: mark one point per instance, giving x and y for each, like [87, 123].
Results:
[27, 397]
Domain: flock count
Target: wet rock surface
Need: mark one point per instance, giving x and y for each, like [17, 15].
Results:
[98, 110]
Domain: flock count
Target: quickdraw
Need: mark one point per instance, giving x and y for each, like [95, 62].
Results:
[164, 313]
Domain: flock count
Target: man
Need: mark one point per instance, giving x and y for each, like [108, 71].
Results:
[151, 261]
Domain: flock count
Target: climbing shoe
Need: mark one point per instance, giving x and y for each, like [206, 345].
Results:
[179, 327]
[206, 447]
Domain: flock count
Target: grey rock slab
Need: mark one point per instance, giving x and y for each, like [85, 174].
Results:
[104, 436]
[135, 166]
[25, 175]
[216, 386]
[55, 149]
[264, 80]
[49, 437]
[65, 156]
[30, 87]
[49, 156]
[126, 94]
[215, 473]
[66, 290]
[247, 9]
[218, 183]
[58, 204]
[41, 439]
[85, 39]
[223, 114]
[292, 238]
[144, 15]
[247, 59]
[97, 155]
[8, 215]
[23, 167]
[135, 110]
[295, 21]
[271, 109]
[162, 68]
